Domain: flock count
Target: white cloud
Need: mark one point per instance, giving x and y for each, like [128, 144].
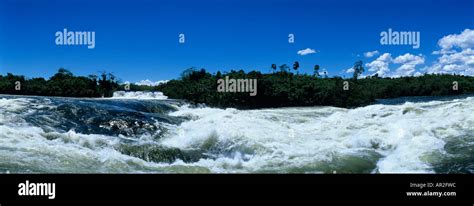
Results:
[380, 65]
[409, 59]
[417, 74]
[405, 70]
[461, 62]
[350, 70]
[409, 62]
[150, 83]
[457, 54]
[465, 56]
[464, 40]
[371, 53]
[324, 72]
[306, 51]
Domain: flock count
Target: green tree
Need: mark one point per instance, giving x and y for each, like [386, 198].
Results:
[316, 70]
[62, 74]
[358, 69]
[296, 65]
[274, 67]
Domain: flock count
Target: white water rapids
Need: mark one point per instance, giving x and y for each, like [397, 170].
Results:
[423, 137]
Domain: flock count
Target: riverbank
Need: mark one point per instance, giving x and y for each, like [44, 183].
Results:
[61, 84]
[284, 89]
[279, 89]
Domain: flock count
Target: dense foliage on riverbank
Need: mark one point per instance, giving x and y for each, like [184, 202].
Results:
[277, 89]
[63, 83]
[283, 89]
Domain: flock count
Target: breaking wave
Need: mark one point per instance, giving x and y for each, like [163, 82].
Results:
[41, 134]
[138, 95]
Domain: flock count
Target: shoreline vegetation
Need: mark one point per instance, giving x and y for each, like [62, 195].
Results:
[61, 84]
[285, 89]
[282, 88]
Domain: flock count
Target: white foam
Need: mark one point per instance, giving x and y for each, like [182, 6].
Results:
[147, 82]
[404, 135]
[28, 147]
[138, 95]
[13, 105]
[267, 140]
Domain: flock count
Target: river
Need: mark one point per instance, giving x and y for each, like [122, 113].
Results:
[129, 134]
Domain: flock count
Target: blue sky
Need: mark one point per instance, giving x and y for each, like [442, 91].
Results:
[138, 39]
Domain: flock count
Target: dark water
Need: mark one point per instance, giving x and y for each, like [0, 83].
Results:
[415, 99]
[67, 135]
[131, 118]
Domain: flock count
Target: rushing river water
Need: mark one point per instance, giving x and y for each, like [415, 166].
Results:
[156, 135]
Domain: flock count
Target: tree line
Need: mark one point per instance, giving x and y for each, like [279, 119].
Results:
[63, 83]
[280, 88]
[283, 88]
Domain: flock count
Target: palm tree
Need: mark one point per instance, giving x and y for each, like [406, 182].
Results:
[111, 77]
[358, 69]
[316, 70]
[296, 65]
[274, 67]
